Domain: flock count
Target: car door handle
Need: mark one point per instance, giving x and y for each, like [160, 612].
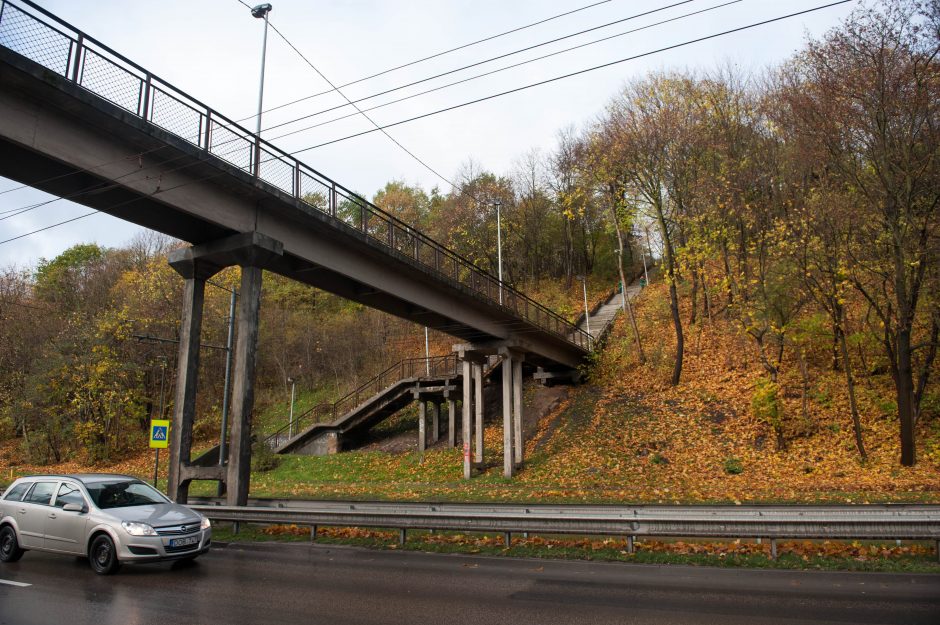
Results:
[22, 510]
[52, 515]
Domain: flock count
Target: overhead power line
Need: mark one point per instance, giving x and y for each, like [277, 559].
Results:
[432, 56]
[478, 76]
[483, 62]
[577, 73]
[351, 103]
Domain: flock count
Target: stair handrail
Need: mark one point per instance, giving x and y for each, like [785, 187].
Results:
[434, 366]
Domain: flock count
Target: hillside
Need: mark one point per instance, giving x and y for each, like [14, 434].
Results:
[628, 436]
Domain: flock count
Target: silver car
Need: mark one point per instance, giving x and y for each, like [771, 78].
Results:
[111, 519]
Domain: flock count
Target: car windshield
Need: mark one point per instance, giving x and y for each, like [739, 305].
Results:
[123, 493]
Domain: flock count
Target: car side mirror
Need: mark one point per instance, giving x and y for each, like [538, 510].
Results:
[74, 507]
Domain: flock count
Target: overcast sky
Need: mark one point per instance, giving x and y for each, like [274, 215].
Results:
[211, 50]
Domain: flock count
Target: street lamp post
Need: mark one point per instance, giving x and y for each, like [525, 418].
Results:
[499, 248]
[290, 426]
[261, 12]
[427, 352]
[587, 316]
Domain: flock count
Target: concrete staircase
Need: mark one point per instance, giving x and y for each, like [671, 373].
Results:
[331, 427]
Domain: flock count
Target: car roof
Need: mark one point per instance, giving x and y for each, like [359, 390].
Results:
[84, 478]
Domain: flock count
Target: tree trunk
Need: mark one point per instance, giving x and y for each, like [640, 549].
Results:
[694, 297]
[673, 294]
[623, 286]
[850, 385]
[804, 390]
[905, 395]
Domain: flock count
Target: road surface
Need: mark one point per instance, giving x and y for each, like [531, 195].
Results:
[290, 583]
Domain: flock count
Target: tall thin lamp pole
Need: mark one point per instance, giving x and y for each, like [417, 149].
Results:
[499, 248]
[427, 353]
[587, 316]
[261, 12]
[290, 423]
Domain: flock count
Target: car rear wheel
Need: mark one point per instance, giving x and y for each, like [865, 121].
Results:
[103, 555]
[9, 547]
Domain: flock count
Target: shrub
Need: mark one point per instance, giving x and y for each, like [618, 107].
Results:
[733, 466]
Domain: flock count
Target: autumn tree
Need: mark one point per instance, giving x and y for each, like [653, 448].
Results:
[869, 93]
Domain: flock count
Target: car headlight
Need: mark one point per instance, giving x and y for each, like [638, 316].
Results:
[205, 523]
[138, 529]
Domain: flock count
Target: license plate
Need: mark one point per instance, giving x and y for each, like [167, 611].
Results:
[182, 542]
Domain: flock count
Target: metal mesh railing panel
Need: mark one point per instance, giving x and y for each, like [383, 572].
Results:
[109, 80]
[34, 39]
[276, 171]
[178, 117]
[314, 192]
[230, 146]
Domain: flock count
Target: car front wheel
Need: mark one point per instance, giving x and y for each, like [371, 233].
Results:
[103, 556]
[9, 547]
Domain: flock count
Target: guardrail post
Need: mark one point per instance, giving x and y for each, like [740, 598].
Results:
[631, 544]
[773, 548]
[402, 536]
[313, 533]
[507, 539]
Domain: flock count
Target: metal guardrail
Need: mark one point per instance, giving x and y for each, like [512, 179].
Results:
[40, 36]
[327, 412]
[874, 522]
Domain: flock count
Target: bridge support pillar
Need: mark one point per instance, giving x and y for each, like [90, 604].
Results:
[422, 425]
[465, 422]
[451, 424]
[508, 430]
[478, 411]
[243, 390]
[197, 264]
[513, 443]
[471, 409]
[517, 433]
[184, 406]
[435, 422]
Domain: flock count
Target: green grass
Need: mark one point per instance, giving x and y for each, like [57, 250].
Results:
[609, 551]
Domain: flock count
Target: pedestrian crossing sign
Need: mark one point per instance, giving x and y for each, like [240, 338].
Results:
[159, 433]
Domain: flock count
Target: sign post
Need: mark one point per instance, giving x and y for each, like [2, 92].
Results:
[159, 439]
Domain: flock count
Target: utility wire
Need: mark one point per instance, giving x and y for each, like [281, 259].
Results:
[578, 73]
[371, 121]
[432, 56]
[478, 76]
[485, 61]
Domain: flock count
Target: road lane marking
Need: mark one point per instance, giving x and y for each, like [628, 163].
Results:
[12, 583]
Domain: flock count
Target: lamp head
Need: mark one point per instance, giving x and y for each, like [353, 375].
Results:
[261, 10]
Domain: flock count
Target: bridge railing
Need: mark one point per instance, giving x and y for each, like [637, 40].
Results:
[327, 412]
[44, 38]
